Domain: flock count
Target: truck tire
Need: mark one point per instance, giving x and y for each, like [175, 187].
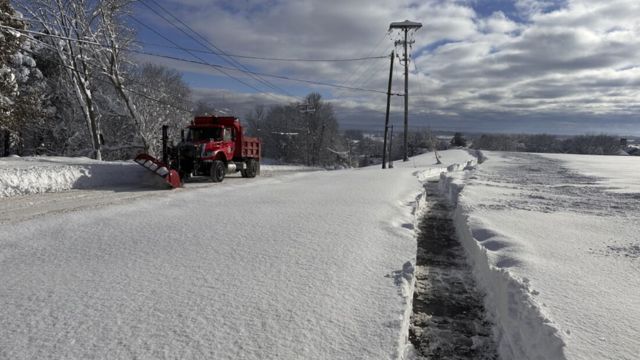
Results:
[217, 171]
[253, 166]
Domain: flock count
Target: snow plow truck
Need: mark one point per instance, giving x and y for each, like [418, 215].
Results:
[214, 146]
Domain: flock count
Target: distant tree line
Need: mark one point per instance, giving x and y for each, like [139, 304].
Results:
[303, 133]
[544, 143]
[308, 133]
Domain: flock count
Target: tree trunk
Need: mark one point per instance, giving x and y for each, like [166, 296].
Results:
[7, 143]
[131, 108]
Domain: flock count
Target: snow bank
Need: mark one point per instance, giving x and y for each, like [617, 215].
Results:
[521, 331]
[429, 170]
[29, 175]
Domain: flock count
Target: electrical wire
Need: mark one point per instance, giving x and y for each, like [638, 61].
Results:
[231, 61]
[105, 81]
[369, 70]
[218, 68]
[271, 58]
[357, 73]
[207, 64]
[252, 57]
[265, 74]
[376, 71]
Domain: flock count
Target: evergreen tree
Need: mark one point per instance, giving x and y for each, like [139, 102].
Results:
[22, 86]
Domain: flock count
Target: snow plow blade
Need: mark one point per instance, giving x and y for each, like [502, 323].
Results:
[159, 168]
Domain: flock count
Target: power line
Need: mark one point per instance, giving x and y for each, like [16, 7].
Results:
[271, 58]
[51, 35]
[159, 101]
[265, 74]
[373, 72]
[216, 66]
[231, 60]
[253, 57]
[359, 68]
[102, 80]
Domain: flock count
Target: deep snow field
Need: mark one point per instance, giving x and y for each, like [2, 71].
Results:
[555, 242]
[97, 261]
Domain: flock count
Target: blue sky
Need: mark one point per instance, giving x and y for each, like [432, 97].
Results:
[477, 65]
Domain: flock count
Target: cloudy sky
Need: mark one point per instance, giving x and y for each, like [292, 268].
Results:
[476, 65]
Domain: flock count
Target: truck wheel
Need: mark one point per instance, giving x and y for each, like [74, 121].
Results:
[252, 169]
[217, 171]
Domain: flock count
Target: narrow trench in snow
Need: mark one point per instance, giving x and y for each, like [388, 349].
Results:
[448, 320]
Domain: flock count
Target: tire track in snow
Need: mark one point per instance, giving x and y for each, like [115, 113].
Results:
[448, 320]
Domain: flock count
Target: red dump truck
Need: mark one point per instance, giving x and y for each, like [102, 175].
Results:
[213, 146]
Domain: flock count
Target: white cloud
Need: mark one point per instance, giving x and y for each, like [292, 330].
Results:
[578, 58]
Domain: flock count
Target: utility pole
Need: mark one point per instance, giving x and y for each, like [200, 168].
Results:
[390, 148]
[386, 118]
[307, 109]
[405, 26]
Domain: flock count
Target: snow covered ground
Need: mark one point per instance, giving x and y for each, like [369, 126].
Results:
[41, 174]
[313, 265]
[299, 264]
[554, 243]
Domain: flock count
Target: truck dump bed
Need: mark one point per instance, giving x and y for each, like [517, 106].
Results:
[250, 147]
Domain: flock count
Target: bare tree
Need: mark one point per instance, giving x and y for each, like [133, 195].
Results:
[71, 21]
[161, 98]
[254, 120]
[110, 41]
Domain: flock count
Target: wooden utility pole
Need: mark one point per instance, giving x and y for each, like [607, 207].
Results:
[386, 118]
[306, 110]
[390, 149]
[405, 26]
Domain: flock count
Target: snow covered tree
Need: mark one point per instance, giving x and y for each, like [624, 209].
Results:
[72, 22]
[63, 128]
[111, 40]
[11, 42]
[21, 83]
[162, 98]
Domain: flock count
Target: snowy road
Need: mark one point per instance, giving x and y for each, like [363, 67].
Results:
[299, 266]
[20, 208]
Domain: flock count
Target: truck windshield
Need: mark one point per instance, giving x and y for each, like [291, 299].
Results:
[199, 134]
